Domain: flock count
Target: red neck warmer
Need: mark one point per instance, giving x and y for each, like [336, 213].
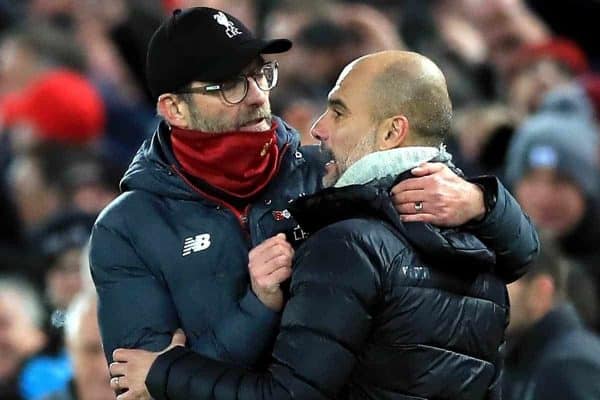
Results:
[240, 164]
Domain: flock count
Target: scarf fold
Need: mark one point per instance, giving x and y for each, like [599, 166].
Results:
[240, 164]
[390, 163]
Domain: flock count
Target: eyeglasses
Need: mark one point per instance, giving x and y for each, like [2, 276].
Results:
[234, 91]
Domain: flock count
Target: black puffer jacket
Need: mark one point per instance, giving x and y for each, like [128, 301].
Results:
[376, 311]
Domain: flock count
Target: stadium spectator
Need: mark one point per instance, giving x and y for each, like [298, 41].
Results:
[553, 169]
[50, 178]
[482, 133]
[61, 241]
[537, 69]
[58, 105]
[21, 334]
[30, 50]
[506, 26]
[550, 353]
[90, 374]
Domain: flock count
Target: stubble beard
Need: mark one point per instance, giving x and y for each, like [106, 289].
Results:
[336, 168]
[203, 123]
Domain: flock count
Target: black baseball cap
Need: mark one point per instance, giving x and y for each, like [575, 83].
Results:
[203, 44]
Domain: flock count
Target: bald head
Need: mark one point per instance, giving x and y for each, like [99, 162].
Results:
[406, 83]
[380, 102]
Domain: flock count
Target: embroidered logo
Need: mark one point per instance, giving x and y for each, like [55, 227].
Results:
[230, 29]
[265, 148]
[299, 234]
[281, 215]
[197, 243]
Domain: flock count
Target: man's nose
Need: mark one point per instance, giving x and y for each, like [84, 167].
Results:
[318, 130]
[256, 96]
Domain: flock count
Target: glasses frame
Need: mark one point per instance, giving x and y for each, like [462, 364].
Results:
[211, 88]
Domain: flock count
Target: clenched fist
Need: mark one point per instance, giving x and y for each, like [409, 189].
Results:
[270, 263]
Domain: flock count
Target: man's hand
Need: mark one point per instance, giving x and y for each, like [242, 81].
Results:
[131, 367]
[270, 263]
[438, 196]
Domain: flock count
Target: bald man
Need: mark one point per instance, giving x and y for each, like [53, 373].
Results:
[82, 336]
[377, 308]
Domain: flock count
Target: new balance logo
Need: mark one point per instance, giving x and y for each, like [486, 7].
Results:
[196, 243]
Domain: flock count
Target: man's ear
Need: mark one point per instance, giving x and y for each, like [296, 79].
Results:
[173, 110]
[393, 132]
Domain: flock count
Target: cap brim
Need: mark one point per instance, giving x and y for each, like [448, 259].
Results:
[247, 52]
[276, 46]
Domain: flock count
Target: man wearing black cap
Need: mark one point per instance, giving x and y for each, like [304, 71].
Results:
[215, 181]
[202, 44]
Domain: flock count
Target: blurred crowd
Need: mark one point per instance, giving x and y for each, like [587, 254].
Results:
[524, 77]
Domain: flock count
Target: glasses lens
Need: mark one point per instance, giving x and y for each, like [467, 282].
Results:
[270, 72]
[266, 78]
[235, 90]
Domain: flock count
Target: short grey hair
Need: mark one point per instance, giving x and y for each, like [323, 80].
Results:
[29, 297]
[424, 100]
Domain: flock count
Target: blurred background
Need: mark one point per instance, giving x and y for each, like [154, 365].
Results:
[523, 76]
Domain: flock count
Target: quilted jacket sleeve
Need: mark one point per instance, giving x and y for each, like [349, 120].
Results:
[324, 326]
[134, 308]
[507, 231]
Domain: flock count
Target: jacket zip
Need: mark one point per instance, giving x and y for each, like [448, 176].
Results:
[241, 217]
